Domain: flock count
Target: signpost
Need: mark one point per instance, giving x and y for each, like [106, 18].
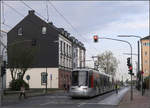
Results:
[51, 80]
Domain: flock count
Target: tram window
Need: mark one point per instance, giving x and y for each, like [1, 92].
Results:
[75, 78]
[83, 78]
[79, 78]
[90, 79]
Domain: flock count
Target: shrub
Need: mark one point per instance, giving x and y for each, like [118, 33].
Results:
[16, 84]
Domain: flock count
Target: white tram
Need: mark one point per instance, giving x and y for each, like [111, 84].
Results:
[89, 82]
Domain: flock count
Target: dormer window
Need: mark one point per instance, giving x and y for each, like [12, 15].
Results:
[20, 31]
[43, 30]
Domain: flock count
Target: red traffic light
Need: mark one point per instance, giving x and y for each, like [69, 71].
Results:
[130, 68]
[95, 38]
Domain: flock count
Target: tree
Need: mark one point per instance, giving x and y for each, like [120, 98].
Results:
[20, 58]
[108, 63]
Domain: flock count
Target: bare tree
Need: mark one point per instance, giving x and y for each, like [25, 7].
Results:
[108, 63]
[20, 59]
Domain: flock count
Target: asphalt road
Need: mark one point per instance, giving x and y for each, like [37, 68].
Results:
[62, 100]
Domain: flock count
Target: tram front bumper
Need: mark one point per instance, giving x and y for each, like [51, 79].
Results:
[79, 93]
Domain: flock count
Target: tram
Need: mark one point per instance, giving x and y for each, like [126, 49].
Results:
[89, 82]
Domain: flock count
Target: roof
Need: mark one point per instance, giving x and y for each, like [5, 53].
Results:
[145, 38]
[91, 69]
[3, 31]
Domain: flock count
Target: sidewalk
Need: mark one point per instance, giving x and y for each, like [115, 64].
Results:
[14, 98]
[138, 101]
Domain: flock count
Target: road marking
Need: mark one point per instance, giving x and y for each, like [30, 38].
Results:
[80, 104]
[47, 103]
[57, 97]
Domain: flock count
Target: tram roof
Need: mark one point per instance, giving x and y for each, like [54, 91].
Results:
[89, 69]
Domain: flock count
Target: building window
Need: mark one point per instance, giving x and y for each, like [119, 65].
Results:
[67, 50]
[64, 47]
[43, 78]
[34, 42]
[43, 30]
[20, 31]
[61, 46]
[145, 53]
[145, 61]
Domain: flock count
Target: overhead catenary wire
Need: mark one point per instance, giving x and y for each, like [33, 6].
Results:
[33, 9]
[47, 11]
[70, 24]
[6, 25]
[60, 14]
[3, 13]
[30, 21]
[14, 9]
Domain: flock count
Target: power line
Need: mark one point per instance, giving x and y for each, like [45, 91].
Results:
[32, 9]
[32, 21]
[3, 12]
[14, 9]
[70, 24]
[6, 25]
[47, 11]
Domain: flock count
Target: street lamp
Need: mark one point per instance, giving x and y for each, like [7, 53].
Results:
[138, 57]
[131, 57]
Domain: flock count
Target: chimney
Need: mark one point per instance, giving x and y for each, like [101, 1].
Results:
[31, 12]
[51, 23]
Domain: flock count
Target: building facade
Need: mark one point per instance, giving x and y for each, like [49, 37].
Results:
[54, 57]
[146, 55]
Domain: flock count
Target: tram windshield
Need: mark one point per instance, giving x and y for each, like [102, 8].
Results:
[79, 78]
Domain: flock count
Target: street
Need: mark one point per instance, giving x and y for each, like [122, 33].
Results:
[61, 99]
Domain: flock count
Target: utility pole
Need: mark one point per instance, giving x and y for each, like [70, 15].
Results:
[149, 62]
[0, 79]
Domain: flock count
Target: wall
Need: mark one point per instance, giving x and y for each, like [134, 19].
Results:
[145, 57]
[35, 77]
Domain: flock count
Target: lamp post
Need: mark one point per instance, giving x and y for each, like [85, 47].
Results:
[138, 57]
[131, 97]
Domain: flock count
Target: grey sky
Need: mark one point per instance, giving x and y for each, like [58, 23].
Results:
[106, 19]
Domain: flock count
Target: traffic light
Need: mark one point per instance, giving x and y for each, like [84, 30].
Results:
[130, 70]
[95, 37]
[128, 62]
[129, 66]
[3, 69]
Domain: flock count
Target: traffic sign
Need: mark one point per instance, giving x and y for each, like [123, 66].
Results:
[28, 77]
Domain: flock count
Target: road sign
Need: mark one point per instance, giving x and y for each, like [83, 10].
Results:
[28, 77]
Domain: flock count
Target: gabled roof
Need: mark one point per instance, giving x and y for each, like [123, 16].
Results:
[146, 38]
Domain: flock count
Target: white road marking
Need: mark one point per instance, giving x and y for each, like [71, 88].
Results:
[80, 104]
[47, 103]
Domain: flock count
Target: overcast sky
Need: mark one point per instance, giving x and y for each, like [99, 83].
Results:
[104, 18]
